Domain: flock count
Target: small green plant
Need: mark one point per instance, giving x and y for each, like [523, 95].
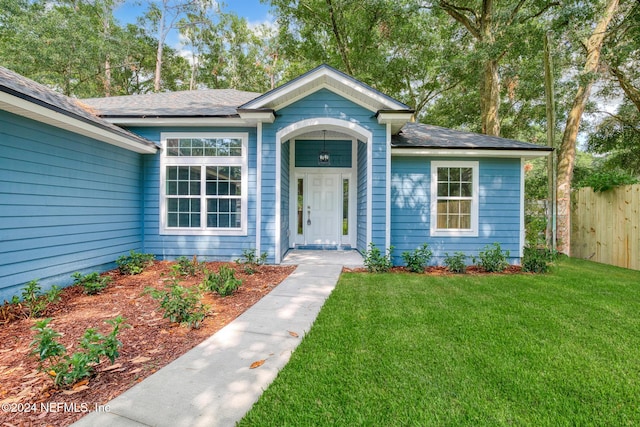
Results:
[251, 261]
[66, 370]
[134, 263]
[224, 282]
[418, 259]
[35, 300]
[456, 263]
[92, 283]
[375, 261]
[537, 259]
[186, 267]
[180, 304]
[492, 259]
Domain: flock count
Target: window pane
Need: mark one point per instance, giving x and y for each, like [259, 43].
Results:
[345, 207]
[443, 190]
[466, 174]
[443, 174]
[223, 213]
[183, 212]
[466, 189]
[454, 175]
[300, 204]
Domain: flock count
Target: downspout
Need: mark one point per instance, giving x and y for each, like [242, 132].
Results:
[388, 189]
[258, 188]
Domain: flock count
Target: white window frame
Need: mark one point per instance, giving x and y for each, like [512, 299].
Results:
[455, 232]
[204, 161]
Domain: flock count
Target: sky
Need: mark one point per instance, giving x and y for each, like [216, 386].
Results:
[253, 10]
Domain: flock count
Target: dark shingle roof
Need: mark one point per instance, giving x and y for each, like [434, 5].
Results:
[419, 135]
[191, 103]
[24, 88]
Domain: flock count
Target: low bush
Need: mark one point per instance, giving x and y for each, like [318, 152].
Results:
[492, 259]
[67, 370]
[134, 263]
[375, 261]
[186, 267]
[456, 263]
[251, 261]
[92, 283]
[537, 259]
[418, 259]
[224, 282]
[180, 304]
[35, 301]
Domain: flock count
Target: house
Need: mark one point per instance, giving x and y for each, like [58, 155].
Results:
[323, 161]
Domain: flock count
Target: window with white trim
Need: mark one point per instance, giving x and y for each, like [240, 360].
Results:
[454, 198]
[204, 183]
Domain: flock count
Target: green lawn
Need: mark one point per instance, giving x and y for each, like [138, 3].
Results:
[413, 350]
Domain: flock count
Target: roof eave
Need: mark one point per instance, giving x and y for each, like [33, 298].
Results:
[35, 109]
[526, 153]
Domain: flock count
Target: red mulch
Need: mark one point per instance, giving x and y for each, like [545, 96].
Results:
[28, 397]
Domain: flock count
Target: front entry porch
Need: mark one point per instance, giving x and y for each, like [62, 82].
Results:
[350, 259]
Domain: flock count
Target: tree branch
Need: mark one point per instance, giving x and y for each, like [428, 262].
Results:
[457, 13]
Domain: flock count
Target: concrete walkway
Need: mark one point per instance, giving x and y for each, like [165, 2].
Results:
[212, 384]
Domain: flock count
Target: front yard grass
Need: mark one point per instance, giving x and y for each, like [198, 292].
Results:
[405, 349]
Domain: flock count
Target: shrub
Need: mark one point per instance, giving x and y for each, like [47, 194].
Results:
[134, 263]
[375, 261]
[418, 259]
[492, 259]
[456, 262]
[250, 261]
[224, 282]
[186, 267]
[537, 260]
[92, 282]
[66, 370]
[35, 300]
[180, 304]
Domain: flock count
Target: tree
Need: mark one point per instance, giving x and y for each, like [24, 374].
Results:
[567, 152]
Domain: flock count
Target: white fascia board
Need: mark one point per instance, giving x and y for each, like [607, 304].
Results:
[320, 80]
[394, 117]
[177, 121]
[22, 107]
[437, 152]
[258, 116]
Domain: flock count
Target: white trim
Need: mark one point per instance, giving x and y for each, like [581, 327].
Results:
[278, 224]
[369, 231]
[257, 116]
[473, 231]
[259, 188]
[329, 79]
[22, 107]
[523, 236]
[241, 161]
[387, 146]
[441, 152]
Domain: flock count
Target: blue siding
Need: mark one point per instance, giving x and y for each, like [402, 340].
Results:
[207, 247]
[284, 198]
[67, 203]
[499, 208]
[307, 153]
[362, 197]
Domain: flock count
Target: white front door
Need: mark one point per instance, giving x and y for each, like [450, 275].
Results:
[323, 209]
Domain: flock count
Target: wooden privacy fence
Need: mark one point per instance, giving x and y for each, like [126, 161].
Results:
[605, 226]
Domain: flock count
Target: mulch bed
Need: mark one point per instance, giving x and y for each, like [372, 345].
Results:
[28, 396]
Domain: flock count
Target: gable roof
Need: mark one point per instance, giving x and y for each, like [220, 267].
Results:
[325, 76]
[22, 96]
[188, 103]
[415, 138]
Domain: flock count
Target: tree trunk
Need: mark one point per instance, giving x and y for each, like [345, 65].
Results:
[161, 32]
[490, 102]
[567, 153]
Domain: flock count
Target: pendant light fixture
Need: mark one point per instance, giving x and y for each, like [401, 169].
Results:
[323, 156]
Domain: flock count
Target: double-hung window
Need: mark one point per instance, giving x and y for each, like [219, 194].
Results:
[204, 183]
[454, 198]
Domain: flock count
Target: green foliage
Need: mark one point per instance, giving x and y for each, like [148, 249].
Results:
[418, 259]
[224, 282]
[456, 263]
[492, 259]
[67, 370]
[180, 304]
[375, 261]
[250, 261]
[537, 259]
[607, 180]
[186, 267]
[134, 263]
[92, 283]
[37, 302]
